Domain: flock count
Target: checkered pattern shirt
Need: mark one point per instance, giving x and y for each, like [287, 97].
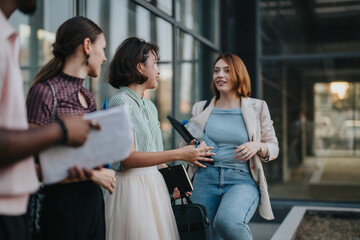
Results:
[40, 99]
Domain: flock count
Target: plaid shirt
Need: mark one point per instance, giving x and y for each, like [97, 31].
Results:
[40, 99]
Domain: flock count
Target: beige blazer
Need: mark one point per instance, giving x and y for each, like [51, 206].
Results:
[260, 128]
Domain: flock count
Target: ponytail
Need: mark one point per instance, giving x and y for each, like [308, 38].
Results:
[51, 69]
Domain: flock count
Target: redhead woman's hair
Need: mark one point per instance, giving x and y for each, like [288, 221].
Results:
[69, 36]
[238, 75]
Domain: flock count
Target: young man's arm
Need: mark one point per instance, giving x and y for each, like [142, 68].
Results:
[16, 145]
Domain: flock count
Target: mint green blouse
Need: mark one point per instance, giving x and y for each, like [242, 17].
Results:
[144, 120]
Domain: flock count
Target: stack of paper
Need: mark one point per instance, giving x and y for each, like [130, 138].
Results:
[110, 144]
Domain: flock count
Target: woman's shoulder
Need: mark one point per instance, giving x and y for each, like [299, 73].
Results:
[198, 107]
[257, 104]
[40, 90]
[256, 101]
[200, 103]
[119, 98]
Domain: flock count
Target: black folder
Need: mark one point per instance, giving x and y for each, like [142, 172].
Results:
[176, 176]
[181, 129]
[185, 134]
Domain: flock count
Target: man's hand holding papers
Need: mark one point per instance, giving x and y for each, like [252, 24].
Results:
[112, 143]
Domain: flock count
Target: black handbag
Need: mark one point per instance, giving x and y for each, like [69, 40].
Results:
[34, 208]
[34, 212]
[192, 220]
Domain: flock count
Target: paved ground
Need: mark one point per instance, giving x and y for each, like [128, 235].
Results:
[327, 179]
[310, 183]
[263, 231]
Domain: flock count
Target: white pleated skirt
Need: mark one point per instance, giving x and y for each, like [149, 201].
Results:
[140, 208]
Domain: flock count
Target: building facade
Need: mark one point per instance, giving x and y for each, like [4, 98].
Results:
[303, 58]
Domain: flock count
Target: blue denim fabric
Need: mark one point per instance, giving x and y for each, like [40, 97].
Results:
[230, 196]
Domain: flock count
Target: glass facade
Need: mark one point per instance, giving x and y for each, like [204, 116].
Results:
[307, 57]
[37, 34]
[187, 46]
[309, 69]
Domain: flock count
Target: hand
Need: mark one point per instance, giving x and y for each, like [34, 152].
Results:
[176, 193]
[191, 154]
[202, 144]
[246, 151]
[75, 174]
[78, 129]
[104, 177]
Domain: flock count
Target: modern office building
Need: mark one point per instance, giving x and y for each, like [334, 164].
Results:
[303, 57]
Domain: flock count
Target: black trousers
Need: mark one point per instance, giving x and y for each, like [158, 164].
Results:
[73, 211]
[14, 227]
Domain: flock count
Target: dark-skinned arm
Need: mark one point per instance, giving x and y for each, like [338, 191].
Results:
[16, 145]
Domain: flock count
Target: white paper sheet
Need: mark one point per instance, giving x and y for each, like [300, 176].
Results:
[110, 144]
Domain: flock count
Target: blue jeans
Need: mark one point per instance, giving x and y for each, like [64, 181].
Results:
[230, 196]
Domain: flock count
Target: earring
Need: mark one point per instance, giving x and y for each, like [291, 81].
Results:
[87, 59]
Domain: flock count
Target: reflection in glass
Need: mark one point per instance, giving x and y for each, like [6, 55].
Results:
[314, 105]
[187, 81]
[335, 126]
[24, 35]
[163, 5]
[37, 34]
[291, 27]
[201, 16]
[162, 98]
[46, 39]
[339, 89]
[194, 74]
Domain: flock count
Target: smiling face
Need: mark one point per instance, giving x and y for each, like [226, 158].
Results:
[221, 77]
[97, 56]
[151, 71]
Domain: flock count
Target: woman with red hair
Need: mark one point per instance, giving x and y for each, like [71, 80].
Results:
[241, 126]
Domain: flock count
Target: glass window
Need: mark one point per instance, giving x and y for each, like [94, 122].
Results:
[37, 34]
[187, 82]
[194, 74]
[316, 118]
[163, 5]
[116, 18]
[200, 16]
[291, 27]
[121, 19]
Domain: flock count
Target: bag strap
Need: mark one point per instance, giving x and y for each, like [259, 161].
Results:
[53, 110]
[186, 197]
[206, 104]
[182, 197]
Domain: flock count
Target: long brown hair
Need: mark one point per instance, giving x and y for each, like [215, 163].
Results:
[238, 75]
[68, 37]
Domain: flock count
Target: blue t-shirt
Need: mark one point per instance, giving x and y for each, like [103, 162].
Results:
[227, 129]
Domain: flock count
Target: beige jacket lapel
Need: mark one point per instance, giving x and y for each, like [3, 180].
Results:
[202, 118]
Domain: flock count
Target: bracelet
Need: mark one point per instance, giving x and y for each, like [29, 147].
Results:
[63, 130]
